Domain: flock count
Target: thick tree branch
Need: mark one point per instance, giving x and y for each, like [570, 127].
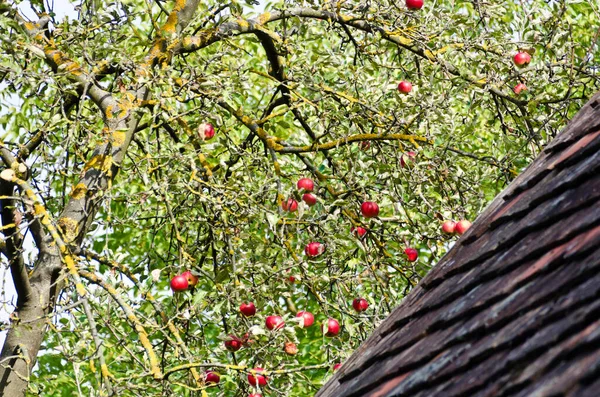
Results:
[14, 242]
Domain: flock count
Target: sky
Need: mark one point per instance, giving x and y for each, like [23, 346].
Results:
[62, 9]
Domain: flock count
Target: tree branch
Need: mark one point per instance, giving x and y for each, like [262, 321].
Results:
[14, 242]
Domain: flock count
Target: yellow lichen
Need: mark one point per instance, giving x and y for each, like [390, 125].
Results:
[100, 162]
[79, 191]
[263, 18]
[118, 137]
[69, 228]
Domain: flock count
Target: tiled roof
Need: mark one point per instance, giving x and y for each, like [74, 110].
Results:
[513, 309]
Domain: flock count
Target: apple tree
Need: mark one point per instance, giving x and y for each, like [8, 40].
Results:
[222, 199]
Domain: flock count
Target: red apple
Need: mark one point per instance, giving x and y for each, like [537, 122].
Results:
[256, 379]
[336, 366]
[448, 227]
[255, 395]
[309, 199]
[192, 280]
[248, 309]
[410, 155]
[307, 318]
[360, 304]
[306, 184]
[206, 131]
[405, 87]
[412, 254]
[364, 145]
[519, 88]
[292, 279]
[414, 4]
[462, 226]
[369, 209]
[233, 344]
[522, 59]
[179, 283]
[312, 250]
[358, 231]
[274, 322]
[290, 348]
[333, 327]
[211, 377]
[290, 205]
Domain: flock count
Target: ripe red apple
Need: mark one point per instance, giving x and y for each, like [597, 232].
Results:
[255, 378]
[206, 131]
[364, 145]
[448, 227]
[519, 88]
[414, 4]
[290, 205]
[274, 322]
[312, 250]
[358, 231]
[179, 283]
[292, 279]
[336, 366]
[248, 309]
[233, 344]
[306, 184]
[462, 226]
[333, 327]
[290, 348]
[360, 304]
[192, 280]
[369, 209]
[522, 59]
[410, 155]
[309, 199]
[307, 318]
[211, 377]
[405, 87]
[412, 254]
[255, 395]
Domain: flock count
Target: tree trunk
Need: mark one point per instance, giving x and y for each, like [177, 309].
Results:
[28, 327]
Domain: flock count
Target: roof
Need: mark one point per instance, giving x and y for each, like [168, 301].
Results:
[514, 307]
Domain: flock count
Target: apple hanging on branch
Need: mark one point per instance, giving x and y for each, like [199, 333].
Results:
[522, 59]
[358, 231]
[289, 205]
[412, 254]
[309, 199]
[360, 304]
[211, 377]
[305, 184]
[405, 87]
[314, 249]
[519, 88]
[448, 227]
[331, 327]
[462, 226]
[256, 378]
[274, 322]
[369, 209]
[414, 4]
[306, 318]
[179, 283]
[206, 131]
[248, 309]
